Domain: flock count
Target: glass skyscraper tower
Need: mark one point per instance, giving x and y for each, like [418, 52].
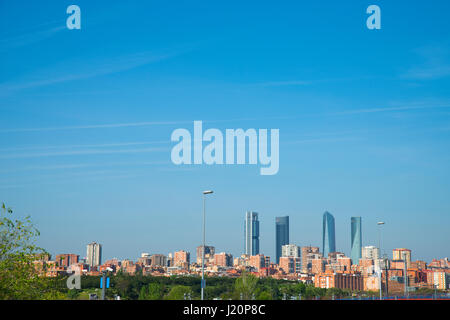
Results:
[251, 232]
[281, 235]
[328, 236]
[356, 243]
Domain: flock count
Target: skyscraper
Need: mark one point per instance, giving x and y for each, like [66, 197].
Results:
[356, 240]
[328, 236]
[94, 254]
[281, 235]
[251, 231]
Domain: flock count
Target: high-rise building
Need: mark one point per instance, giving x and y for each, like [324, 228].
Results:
[181, 258]
[257, 261]
[94, 254]
[318, 265]
[356, 239]
[307, 253]
[328, 235]
[209, 254]
[370, 252]
[223, 259]
[440, 280]
[159, 260]
[288, 264]
[281, 235]
[251, 231]
[290, 250]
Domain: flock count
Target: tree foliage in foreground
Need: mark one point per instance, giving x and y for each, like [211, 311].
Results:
[19, 277]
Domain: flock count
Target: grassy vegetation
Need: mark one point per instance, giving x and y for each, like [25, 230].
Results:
[140, 287]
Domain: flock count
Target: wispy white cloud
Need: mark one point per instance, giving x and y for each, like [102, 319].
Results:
[97, 126]
[390, 109]
[320, 140]
[283, 83]
[85, 70]
[71, 146]
[82, 178]
[394, 107]
[70, 166]
[307, 82]
[11, 42]
[127, 124]
[435, 64]
[79, 152]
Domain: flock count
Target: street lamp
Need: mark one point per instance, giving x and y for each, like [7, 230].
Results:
[104, 281]
[203, 251]
[380, 223]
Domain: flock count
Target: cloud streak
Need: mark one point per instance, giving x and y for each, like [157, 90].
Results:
[435, 64]
[120, 144]
[103, 67]
[411, 106]
[28, 38]
[98, 126]
[389, 109]
[80, 152]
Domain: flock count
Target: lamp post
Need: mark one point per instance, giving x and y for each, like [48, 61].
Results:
[380, 223]
[104, 281]
[203, 249]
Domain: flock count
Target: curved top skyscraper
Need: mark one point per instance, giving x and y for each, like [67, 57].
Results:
[356, 240]
[328, 235]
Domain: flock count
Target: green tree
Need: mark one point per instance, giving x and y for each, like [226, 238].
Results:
[245, 286]
[152, 291]
[264, 295]
[20, 278]
[179, 292]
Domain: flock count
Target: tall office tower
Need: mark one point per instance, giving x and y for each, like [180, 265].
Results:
[281, 235]
[290, 250]
[94, 254]
[328, 236]
[356, 239]
[251, 231]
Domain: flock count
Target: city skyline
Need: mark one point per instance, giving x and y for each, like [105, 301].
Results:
[282, 224]
[304, 264]
[86, 118]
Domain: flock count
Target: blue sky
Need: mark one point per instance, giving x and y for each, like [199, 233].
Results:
[364, 117]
